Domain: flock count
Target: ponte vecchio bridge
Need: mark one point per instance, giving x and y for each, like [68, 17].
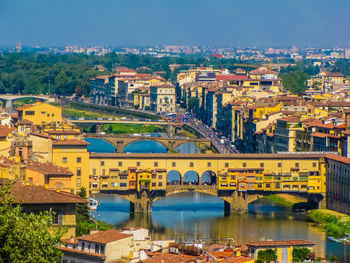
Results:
[239, 179]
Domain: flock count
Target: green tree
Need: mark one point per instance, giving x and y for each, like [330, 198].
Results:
[26, 237]
[267, 255]
[300, 254]
[295, 81]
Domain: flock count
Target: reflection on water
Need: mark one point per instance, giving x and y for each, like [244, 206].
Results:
[192, 216]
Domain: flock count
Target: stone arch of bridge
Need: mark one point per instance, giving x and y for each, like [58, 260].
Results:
[209, 177]
[174, 177]
[134, 140]
[209, 191]
[191, 177]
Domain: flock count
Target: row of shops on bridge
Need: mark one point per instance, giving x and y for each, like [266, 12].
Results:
[231, 179]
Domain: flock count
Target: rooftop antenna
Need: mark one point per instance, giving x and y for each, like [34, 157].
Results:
[19, 47]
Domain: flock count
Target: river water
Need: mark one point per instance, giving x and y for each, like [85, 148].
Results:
[193, 216]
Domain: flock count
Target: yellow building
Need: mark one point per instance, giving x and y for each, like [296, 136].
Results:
[48, 175]
[268, 172]
[5, 143]
[39, 113]
[73, 155]
[284, 248]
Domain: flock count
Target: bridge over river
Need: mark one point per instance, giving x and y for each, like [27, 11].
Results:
[238, 179]
[170, 143]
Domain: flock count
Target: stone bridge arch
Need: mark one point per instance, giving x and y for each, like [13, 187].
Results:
[138, 139]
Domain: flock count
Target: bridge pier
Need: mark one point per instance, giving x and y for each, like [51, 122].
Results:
[141, 204]
[238, 202]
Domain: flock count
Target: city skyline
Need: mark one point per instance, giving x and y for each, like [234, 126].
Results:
[206, 23]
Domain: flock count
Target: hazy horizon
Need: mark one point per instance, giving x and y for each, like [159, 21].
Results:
[223, 23]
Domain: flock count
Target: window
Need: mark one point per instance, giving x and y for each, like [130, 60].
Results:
[48, 115]
[244, 164]
[78, 171]
[154, 184]
[314, 164]
[52, 115]
[154, 176]
[97, 249]
[268, 185]
[138, 163]
[191, 164]
[297, 165]
[78, 159]
[279, 165]
[160, 177]
[226, 165]
[102, 163]
[155, 164]
[120, 164]
[261, 165]
[173, 164]
[29, 112]
[78, 182]
[82, 246]
[123, 184]
[22, 128]
[209, 164]
[94, 171]
[160, 184]
[58, 137]
[65, 137]
[64, 160]
[103, 171]
[102, 249]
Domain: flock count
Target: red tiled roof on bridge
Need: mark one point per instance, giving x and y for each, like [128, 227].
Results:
[338, 158]
[278, 243]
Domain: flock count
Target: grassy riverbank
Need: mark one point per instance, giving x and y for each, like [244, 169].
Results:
[334, 224]
[133, 128]
[74, 113]
[285, 199]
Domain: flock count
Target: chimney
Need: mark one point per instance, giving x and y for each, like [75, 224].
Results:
[71, 239]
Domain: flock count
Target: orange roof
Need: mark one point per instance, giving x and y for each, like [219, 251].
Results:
[70, 142]
[262, 71]
[240, 259]
[49, 168]
[323, 135]
[80, 252]
[28, 106]
[58, 132]
[104, 237]
[277, 243]
[5, 130]
[338, 158]
[170, 258]
[30, 194]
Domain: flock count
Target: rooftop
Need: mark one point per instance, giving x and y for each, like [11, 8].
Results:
[277, 243]
[104, 237]
[30, 194]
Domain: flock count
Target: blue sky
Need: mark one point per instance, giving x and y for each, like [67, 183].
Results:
[263, 23]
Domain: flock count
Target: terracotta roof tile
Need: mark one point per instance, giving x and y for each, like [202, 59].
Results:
[5, 130]
[104, 237]
[70, 142]
[80, 252]
[338, 158]
[170, 258]
[49, 169]
[277, 243]
[58, 132]
[30, 194]
[240, 259]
